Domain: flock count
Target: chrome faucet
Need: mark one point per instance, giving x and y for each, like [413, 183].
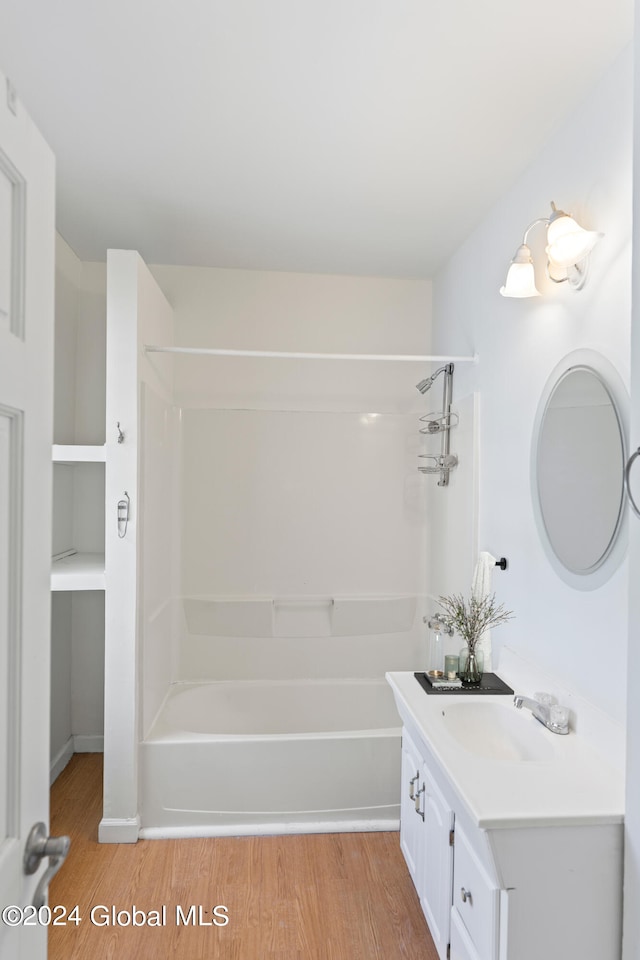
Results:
[547, 712]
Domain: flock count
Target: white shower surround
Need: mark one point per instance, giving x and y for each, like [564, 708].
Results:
[266, 757]
[283, 525]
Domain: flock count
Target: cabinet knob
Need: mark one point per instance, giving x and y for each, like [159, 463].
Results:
[466, 895]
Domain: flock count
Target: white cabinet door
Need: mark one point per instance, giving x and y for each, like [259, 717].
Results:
[437, 862]
[426, 821]
[27, 234]
[476, 898]
[411, 824]
[462, 947]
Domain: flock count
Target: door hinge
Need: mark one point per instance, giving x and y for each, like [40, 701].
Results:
[452, 836]
[448, 951]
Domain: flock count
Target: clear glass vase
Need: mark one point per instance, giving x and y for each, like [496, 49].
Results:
[471, 666]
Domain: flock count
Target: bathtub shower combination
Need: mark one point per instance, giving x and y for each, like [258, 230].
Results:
[281, 561]
[265, 710]
[275, 560]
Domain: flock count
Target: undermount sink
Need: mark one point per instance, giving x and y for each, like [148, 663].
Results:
[497, 731]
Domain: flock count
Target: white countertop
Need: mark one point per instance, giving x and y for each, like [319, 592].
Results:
[573, 785]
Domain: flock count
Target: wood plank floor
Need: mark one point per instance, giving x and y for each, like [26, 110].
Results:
[313, 897]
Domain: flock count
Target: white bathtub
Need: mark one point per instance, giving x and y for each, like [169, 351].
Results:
[247, 757]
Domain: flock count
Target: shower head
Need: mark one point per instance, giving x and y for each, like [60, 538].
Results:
[425, 385]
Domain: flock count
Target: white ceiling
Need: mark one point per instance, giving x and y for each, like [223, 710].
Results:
[334, 136]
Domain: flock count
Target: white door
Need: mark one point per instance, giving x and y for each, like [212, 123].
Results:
[27, 189]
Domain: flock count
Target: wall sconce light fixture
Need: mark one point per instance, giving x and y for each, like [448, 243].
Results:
[568, 245]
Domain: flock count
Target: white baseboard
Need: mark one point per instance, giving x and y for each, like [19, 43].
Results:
[92, 743]
[119, 831]
[61, 759]
[268, 829]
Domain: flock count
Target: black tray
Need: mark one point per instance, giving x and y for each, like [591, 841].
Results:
[490, 683]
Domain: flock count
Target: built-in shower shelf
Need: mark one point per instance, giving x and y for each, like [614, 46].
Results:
[299, 616]
[78, 453]
[78, 571]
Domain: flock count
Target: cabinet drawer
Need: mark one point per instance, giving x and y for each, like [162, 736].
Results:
[475, 898]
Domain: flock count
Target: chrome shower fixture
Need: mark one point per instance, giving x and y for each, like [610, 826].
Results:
[426, 384]
[440, 423]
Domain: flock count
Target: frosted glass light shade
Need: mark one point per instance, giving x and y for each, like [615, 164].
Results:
[568, 242]
[520, 280]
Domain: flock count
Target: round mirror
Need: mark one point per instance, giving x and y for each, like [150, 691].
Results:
[578, 463]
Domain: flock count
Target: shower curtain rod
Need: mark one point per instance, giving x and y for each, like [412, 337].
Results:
[214, 352]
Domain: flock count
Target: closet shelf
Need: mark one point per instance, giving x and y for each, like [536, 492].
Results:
[79, 571]
[285, 355]
[78, 453]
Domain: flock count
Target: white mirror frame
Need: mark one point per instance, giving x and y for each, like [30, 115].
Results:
[598, 574]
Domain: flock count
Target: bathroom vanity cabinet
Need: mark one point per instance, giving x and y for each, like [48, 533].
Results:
[426, 837]
[513, 877]
[458, 895]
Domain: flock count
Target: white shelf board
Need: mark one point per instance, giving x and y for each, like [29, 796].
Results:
[80, 571]
[78, 453]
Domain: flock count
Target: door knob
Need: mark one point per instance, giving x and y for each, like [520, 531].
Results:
[39, 846]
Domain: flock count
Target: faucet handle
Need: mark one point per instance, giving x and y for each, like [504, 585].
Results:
[547, 699]
[559, 717]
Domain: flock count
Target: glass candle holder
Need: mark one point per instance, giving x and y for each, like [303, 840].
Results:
[436, 655]
[451, 664]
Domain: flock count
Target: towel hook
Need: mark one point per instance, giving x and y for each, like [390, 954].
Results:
[502, 563]
[123, 515]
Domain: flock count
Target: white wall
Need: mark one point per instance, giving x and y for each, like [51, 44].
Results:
[87, 670]
[289, 503]
[257, 310]
[139, 560]
[60, 729]
[631, 932]
[586, 170]
[79, 382]
[68, 284]
[159, 566]
[91, 367]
